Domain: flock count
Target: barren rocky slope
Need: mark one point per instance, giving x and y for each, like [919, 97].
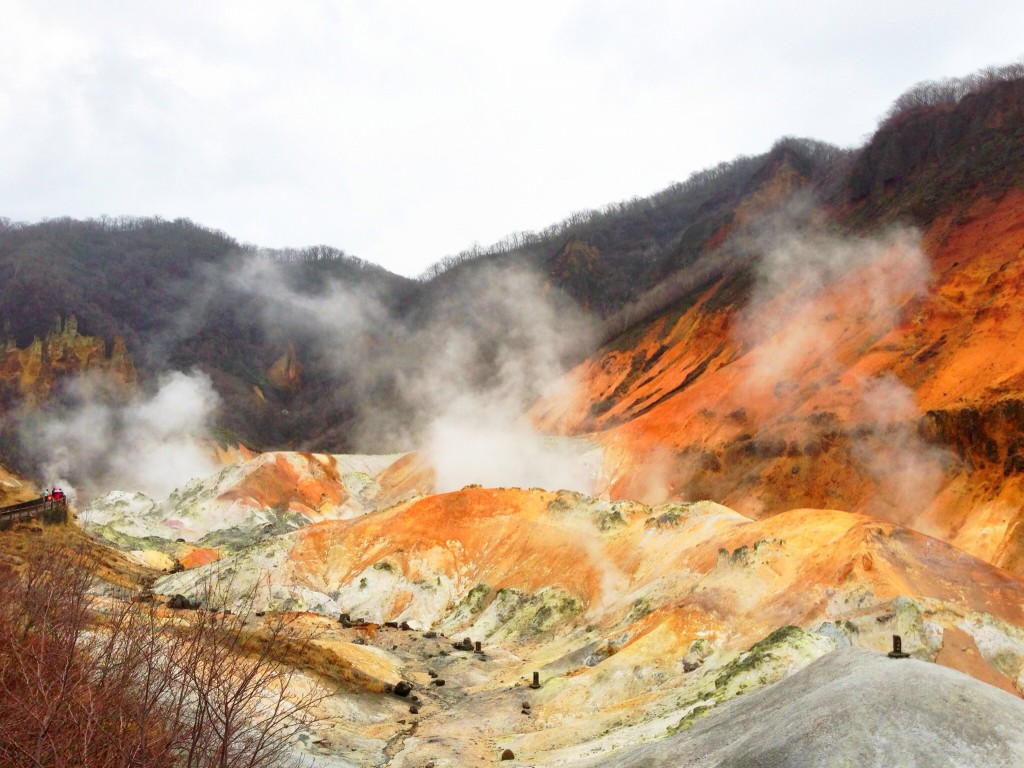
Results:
[810, 438]
[860, 355]
[906, 408]
[639, 620]
[14, 488]
[254, 496]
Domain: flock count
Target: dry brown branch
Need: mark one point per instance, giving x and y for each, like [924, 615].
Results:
[104, 683]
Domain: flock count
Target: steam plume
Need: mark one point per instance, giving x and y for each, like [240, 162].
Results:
[95, 439]
[907, 471]
[453, 375]
[817, 292]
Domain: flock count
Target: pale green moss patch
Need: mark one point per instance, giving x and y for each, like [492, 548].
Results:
[782, 652]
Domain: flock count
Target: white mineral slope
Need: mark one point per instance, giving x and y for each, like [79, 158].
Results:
[283, 489]
[852, 707]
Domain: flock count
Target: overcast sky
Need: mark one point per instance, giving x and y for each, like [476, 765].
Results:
[404, 131]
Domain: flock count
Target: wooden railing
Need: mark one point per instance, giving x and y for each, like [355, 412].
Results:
[48, 509]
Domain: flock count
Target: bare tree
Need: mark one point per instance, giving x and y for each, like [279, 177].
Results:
[931, 93]
[100, 683]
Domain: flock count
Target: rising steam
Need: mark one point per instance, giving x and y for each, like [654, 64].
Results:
[452, 377]
[802, 268]
[477, 440]
[96, 438]
[462, 369]
[818, 291]
[907, 471]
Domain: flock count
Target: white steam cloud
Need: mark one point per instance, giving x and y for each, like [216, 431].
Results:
[483, 442]
[821, 298]
[337, 317]
[476, 429]
[96, 438]
[452, 375]
[907, 471]
[461, 368]
[804, 269]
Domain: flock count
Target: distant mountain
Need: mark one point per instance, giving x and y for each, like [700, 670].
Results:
[164, 288]
[164, 293]
[168, 289]
[607, 258]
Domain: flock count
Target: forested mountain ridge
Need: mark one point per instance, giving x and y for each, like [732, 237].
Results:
[164, 291]
[166, 288]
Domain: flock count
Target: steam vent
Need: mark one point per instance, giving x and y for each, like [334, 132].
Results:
[727, 476]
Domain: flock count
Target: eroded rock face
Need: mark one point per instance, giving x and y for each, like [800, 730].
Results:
[989, 434]
[909, 409]
[14, 489]
[286, 371]
[29, 375]
[637, 620]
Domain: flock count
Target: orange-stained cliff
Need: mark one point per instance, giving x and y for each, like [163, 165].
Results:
[681, 415]
[286, 372]
[30, 374]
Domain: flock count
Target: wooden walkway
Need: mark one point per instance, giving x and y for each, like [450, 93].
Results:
[48, 510]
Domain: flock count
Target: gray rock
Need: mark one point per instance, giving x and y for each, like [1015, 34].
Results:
[850, 707]
[181, 603]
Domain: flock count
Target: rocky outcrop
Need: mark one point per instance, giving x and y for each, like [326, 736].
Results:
[14, 489]
[578, 268]
[981, 435]
[29, 375]
[286, 372]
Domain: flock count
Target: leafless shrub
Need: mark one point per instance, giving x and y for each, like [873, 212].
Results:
[102, 683]
[931, 93]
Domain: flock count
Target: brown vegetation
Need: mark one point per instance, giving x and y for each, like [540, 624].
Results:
[93, 682]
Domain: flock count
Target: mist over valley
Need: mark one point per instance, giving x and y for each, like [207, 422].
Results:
[660, 484]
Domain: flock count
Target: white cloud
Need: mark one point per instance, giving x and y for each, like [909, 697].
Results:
[404, 131]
